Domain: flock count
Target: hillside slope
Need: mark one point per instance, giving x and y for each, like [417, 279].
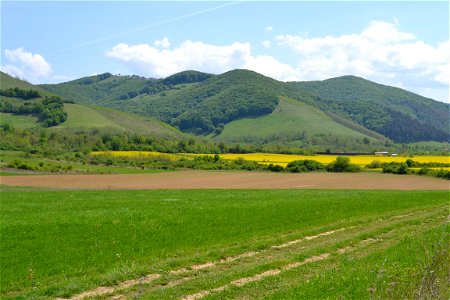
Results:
[9, 82]
[76, 115]
[396, 113]
[298, 123]
[203, 104]
[89, 90]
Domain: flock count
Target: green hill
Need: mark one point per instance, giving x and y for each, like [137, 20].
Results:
[76, 115]
[210, 105]
[103, 87]
[396, 113]
[9, 82]
[297, 124]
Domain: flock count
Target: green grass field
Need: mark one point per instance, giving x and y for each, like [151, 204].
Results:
[18, 121]
[290, 118]
[370, 243]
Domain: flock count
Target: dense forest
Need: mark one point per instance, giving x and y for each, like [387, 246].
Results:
[395, 113]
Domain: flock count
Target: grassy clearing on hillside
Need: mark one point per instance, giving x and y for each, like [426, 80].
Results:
[62, 243]
[18, 121]
[79, 116]
[140, 124]
[289, 119]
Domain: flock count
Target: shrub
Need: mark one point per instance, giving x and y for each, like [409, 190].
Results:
[443, 174]
[423, 171]
[275, 168]
[342, 164]
[375, 164]
[298, 166]
[396, 168]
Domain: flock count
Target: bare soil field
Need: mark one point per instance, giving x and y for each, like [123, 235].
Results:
[230, 180]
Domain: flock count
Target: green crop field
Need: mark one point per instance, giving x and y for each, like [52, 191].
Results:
[290, 118]
[224, 244]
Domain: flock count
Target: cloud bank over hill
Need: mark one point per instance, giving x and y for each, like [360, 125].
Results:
[381, 52]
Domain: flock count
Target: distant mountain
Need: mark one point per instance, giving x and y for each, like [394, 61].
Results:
[244, 106]
[393, 112]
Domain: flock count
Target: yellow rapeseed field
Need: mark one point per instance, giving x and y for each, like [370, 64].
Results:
[361, 160]
[281, 159]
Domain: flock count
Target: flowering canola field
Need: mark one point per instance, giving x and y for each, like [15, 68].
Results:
[280, 159]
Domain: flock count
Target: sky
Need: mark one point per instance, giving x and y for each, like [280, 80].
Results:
[403, 44]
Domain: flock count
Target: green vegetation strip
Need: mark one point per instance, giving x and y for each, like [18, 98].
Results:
[64, 243]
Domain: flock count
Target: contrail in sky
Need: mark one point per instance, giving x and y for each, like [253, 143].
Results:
[200, 12]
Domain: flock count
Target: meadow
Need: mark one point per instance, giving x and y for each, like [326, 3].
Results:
[220, 244]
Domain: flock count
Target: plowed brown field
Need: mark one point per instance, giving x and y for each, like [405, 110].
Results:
[230, 180]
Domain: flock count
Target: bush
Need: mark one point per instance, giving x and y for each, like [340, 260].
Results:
[299, 166]
[375, 164]
[275, 168]
[396, 168]
[342, 164]
[443, 174]
[423, 171]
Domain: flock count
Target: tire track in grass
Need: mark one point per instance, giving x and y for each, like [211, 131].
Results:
[105, 290]
[393, 218]
[274, 272]
[126, 285]
[258, 277]
[369, 241]
[269, 273]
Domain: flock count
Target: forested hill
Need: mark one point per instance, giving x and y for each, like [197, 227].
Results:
[202, 103]
[393, 112]
[192, 101]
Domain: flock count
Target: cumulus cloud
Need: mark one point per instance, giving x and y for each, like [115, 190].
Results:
[163, 43]
[267, 43]
[26, 65]
[156, 62]
[268, 29]
[151, 61]
[269, 66]
[380, 51]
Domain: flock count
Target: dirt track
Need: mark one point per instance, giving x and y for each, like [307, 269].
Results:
[230, 180]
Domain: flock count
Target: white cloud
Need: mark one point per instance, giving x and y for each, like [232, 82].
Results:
[150, 61]
[268, 29]
[163, 43]
[267, 44]
[380, 51]
[269, 66]
[26, 65]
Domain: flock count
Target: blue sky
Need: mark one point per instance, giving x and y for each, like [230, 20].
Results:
[405, 44]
